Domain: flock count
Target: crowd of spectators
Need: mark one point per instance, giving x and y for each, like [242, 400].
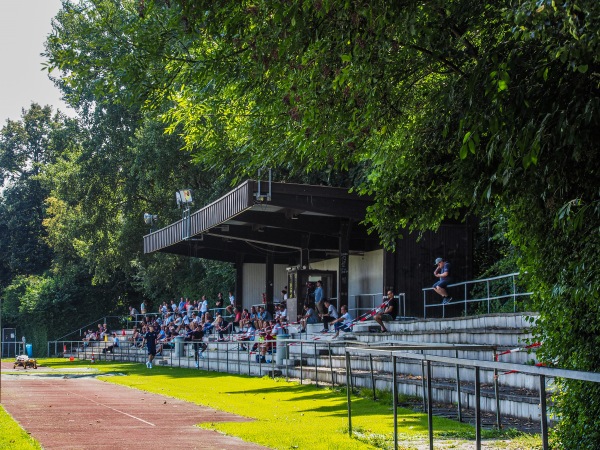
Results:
[192, 320]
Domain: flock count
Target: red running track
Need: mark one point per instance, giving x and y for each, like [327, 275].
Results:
[76, 412]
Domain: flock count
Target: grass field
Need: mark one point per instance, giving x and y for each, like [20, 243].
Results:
[13, 436]
[293, 416]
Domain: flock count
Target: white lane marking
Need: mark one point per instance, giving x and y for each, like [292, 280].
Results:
[106, 406]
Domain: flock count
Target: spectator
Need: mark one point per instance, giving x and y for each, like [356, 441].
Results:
[281, 313]
[143, 307]
[343, 323]
[207, 325]
[203, 306]
[181, 306]
[219, 303]
[329, 316]
[319, 300]
[245, 319]
[389, 312]
[264, 317]
[442, 271]
[231, 305]
[309, 316]
[237, 318]
[253, 316]
[221, 326]
[248, 336]
[115, 344]
[133, 313]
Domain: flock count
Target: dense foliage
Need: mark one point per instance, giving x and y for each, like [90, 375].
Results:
[438, 109]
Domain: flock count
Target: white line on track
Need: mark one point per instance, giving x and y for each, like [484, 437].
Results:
[106, 406]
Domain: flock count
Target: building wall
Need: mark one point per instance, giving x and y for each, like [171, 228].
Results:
[254, 282]
[366, 277]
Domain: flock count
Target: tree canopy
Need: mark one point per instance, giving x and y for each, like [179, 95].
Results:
[438, 109]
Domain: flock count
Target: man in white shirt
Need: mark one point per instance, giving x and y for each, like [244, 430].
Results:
[344, 322]
[329, 316]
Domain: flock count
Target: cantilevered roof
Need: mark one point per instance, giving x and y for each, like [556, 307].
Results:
[281, 220]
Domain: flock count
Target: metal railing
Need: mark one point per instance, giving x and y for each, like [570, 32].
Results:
[109, 320]
[229, 357]
[426, 362]
[374, 300]
[488, 298]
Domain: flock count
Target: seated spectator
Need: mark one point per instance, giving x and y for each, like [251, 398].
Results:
[254, 316]
[248, 336]
[278, 328]
[245, 318]
[115, 344]
[136, 338]
[221, 326]
[207, 325]
[264, 317]
[343, 323]
[281, 312]
[237, 318]
[309, 316]
[329, 316]
[389, 312]
[266, 345]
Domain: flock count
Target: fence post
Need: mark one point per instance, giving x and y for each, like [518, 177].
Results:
[348, 396]
[458, 397]
[544, 416]
[477, 409]
[429, 405]
[301, 363]
[372, 377]
[395, 394]
[316, 367]
[330, 364]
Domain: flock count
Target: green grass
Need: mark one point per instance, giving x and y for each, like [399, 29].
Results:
[13, 436]
[287, 415]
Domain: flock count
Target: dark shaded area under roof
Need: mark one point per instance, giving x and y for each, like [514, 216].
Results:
[283, 220]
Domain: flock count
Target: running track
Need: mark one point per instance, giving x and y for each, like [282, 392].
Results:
[75, 412]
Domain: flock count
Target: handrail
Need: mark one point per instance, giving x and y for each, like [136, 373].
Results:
[488, 298]
[425, 359]
[94, 322]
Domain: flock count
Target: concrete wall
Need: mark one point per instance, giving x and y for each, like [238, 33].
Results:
[366, 275]
[254, 283]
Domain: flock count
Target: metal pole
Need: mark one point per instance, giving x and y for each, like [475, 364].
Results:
[316, 368]
[348, 396]
[466, 299]
[488, 295]
[497, 395]
[227, 360]
[395, 394]
[429, 405]
[330, 364]
[301, 364]
[372, 377]
[544, 415]
[514, 294]
[458, 396]
[423, 385]
[477, 409]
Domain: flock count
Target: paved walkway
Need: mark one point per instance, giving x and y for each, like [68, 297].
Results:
[78, 411]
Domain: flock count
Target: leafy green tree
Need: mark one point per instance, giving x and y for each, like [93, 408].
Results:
[438, 109]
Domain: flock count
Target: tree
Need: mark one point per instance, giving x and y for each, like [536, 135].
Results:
[438, 109]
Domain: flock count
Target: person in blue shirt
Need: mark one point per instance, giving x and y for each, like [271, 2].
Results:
[442, 271]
